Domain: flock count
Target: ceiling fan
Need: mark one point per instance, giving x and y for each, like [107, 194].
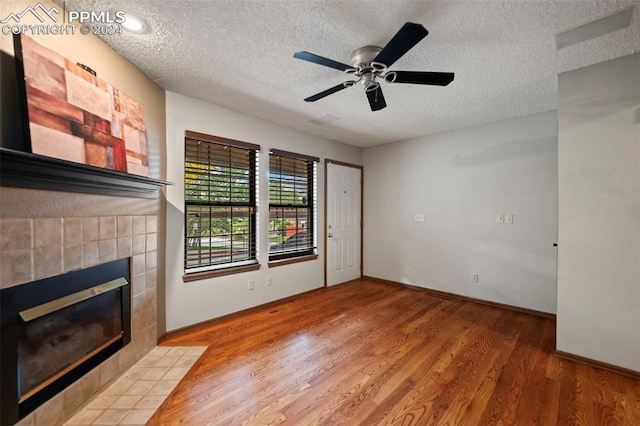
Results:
[372, 62]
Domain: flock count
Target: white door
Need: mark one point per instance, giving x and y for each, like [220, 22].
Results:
[343, 221]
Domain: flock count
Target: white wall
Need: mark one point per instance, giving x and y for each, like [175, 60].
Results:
[460, 181]
[599, 212]
[192, 302]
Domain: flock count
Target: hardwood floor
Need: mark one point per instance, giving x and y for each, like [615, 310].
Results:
[369, 353]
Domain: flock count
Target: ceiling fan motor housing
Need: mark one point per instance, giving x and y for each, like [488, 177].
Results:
[366, 68]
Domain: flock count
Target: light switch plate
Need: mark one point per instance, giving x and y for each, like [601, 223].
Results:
[508, 218]
[500, 218]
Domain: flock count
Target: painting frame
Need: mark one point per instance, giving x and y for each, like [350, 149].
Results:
[70, 114]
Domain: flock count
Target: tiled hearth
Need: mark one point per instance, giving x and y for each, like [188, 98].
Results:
[36, 248]
[134, 397]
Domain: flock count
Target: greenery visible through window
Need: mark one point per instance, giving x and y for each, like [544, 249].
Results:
[291, 205]
[220, 202]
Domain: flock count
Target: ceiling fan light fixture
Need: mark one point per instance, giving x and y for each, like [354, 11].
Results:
[369, 82]
[390, 77]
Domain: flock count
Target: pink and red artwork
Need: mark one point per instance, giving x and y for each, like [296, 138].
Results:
[75, 116]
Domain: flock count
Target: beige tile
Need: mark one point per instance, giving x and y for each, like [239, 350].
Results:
[163, 387]
[137, 306]
[72, 257]
[119, 387]
[90, 384]
[150, 334]
[149, 360]
[51, 412]
[154, 373]
[15, 268]
[125, 358]
[30, 420]
[138, 264]
[47, 232]
[177, 350]
[101, 402]
[152, 242]
[151, 402]
[160, 350]
[126, 401]
[152, 224]
[90, 229]
[125, 226]
[139, 242]
[84, 417]
[47, 262]
[151, 260]
[139, 284]
[139, 225]
[175, 373]
[151, 278]
[167, 361]
[72, 398]
[140, 387]
[186, 361]
[108, 370]
[111, 417]
[137, 417]
[15, 234]
[107, 226]
[125, 247]
[135, 372]
[196, 350]
[90, 254]
[72, 231]
[107, 250]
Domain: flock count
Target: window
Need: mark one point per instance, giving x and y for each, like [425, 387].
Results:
[220, 203]
[291, 205]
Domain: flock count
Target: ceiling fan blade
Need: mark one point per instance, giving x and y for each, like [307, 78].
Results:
[423, 77]
[408, 36]
[376, 100]
[312, 57]
[327, 92]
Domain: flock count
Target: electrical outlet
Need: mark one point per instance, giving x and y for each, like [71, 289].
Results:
[474, 277]
[269, 281]
[500, 218]
[252, 284]
[419, 218]
[508, 218]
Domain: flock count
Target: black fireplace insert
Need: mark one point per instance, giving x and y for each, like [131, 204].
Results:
[55, 330]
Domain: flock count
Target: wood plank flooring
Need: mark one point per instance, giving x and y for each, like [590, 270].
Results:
[370, 353]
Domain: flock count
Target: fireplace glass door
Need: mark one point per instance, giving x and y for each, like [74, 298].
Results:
[53, 344]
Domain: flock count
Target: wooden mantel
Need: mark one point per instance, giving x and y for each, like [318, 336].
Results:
[25, 170]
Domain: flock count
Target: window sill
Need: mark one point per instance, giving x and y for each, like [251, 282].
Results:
[275, 263]
[194, 276]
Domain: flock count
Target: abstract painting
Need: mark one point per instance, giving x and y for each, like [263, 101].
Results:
[73, 115]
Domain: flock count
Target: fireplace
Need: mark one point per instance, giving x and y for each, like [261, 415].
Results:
[57, 329]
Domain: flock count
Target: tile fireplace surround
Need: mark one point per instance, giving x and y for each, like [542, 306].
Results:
[36, 248]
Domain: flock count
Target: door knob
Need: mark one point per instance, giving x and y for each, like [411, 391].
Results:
[330, 235]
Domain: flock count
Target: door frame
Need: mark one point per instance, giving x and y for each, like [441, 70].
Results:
[328, 161]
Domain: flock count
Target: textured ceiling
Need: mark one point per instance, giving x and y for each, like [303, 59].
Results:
[239, 54]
